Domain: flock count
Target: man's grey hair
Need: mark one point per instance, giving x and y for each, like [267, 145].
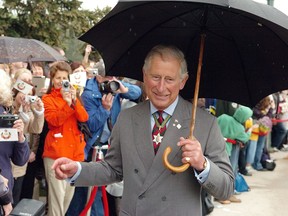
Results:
[167, 51]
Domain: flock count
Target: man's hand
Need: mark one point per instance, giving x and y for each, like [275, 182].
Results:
[64, 168]
[192, 153]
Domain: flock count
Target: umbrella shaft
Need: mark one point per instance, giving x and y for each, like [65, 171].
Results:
[197, 84]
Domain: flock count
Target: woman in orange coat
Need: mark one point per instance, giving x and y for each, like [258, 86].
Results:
[62, 112]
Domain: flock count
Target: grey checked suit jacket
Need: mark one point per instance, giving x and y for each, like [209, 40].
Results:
[149, 188]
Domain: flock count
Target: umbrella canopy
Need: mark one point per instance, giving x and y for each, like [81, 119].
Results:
[245, 52]
[26, 50]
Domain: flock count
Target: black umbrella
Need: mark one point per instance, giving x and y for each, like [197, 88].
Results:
[26, 50]
[246, 45]
[245, 52]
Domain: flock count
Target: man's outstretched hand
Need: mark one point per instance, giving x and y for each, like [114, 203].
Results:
[64, 168]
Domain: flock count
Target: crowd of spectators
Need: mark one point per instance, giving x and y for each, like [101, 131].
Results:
[48, 126]
[251, 134]
[48, 120]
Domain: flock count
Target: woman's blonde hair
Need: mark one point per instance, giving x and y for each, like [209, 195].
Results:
[19, 72]
[5, 89]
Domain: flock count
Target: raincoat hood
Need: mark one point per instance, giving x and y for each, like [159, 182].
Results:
[242, 114]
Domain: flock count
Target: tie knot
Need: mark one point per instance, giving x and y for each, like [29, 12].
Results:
[160, 117]
[160, 112]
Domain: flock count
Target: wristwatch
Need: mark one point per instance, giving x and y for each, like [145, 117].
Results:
[204, 164]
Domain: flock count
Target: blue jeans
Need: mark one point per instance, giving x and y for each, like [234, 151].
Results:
[250, 151]
[258, 154]
[79, 201]
[234, 157]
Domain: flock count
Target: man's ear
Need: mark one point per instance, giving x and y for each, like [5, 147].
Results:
[183, 81]
[144, 75]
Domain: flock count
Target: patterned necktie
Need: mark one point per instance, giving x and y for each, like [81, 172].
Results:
[159, 129]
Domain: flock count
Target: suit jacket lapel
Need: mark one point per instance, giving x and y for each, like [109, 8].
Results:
[178, 127]
[143, 142]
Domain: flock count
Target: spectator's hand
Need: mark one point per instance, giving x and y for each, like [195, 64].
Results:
[19, 125]
[107, 101]
[67, 96]
[192, 153]
[64, 168]
[254, 126]
[38, 104]
[25, 104]
[32, 157]
[7, 209]
[5, 180]
[43, 90]
[122, 89]
[88, 49]
[73, 92]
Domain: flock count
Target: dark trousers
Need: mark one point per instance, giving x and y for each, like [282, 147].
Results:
[242, 160]
[29, 180]
[114, 204]
[17, 190]
[278, 134]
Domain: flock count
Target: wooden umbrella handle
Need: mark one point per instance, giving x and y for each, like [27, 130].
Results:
[168, 150]
[175, 169]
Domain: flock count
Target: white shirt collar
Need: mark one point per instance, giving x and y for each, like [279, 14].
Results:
[169, 110]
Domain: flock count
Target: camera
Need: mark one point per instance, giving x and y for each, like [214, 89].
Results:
[7, 120]
[92, 71]
[109, 87]
[30, 98]
[65, 85]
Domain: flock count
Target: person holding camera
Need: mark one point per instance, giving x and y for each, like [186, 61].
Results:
[30, 109]
[15, 151]
[63, 111]
[102, 98]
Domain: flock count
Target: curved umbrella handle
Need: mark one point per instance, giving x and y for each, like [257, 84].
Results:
[179, 169]
[168, 150]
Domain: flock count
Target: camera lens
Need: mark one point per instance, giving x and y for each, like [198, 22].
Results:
[109, 87]
[114, 86]
[66, 84]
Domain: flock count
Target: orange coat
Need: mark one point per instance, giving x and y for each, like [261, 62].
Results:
[64, 138]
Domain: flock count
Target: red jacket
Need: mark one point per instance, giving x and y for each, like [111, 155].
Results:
[64, 138]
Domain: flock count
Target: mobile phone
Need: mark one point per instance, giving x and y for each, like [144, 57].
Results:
[7, 120]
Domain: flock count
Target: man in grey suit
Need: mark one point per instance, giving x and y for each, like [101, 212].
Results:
[150, 188]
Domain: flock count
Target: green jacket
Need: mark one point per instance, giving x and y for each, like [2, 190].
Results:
[232, 127]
